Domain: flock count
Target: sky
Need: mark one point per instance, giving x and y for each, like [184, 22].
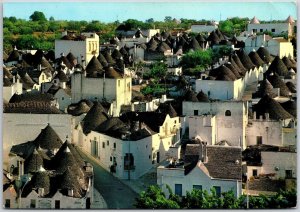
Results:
[112, 11]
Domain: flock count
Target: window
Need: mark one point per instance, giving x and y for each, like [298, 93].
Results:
[114, 159]
[115, 145]
[254, 172]
[94, 148]
[128, 161]
[254, 30]
[62, 98]
[7, 203]
[218, 190]
[107, 142]
[90, 46]
[103, 145]
[118, 83]
[57, 204]
[197, 187]
[149, 156]
[288, 174]
[261, 30]
[110, 158]
[178, 189]
[195, 112]
[32, 203]
[227, 113]
[43, 77]
[273, 30]
[259, 140]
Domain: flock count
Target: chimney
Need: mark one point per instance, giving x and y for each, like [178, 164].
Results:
[267, 116]
[204, 151]
[41, 192]
[70, 192]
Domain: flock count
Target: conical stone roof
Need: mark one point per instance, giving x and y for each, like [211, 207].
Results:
[69, 181]
[102, 60]
[245, 59]
[190, 96]
[291, 86]
[94, 117]
[278, 66]
[289, 64]
[48, 139]
[265, 88]
[239, 64]
[234, 70]
[254, 20]
[33, 163]
[71, 58]
[94, 67]
[264, 54]
[276, 82]
[112, 73]
[116, 54]
[269, 105]
[13, 56]
[257, 61]
[202, 97]
[291, 107]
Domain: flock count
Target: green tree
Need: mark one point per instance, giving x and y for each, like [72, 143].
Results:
[51, 18]
[194, 62]
[154, 198]
[168, 18]
[38, 16]
[12, 19]
[158, 70]
[150, 20]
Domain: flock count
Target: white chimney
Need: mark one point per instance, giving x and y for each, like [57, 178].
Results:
[41, 192]
[204, 151]
[70, 192]
[267, 116]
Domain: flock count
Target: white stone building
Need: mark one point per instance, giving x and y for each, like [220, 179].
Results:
[10, 89]
[217, 121]
[113, 90]
[130, 157]
[270, 132]
[276, 46]
[50, 173]
[278, 164]
[276, 28]
[203, 167]
[83, 47]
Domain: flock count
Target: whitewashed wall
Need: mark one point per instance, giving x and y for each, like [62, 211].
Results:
[231, 128]
[172, 176]
[19, 128]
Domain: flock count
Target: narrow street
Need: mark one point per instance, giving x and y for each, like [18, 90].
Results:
[115, 193]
